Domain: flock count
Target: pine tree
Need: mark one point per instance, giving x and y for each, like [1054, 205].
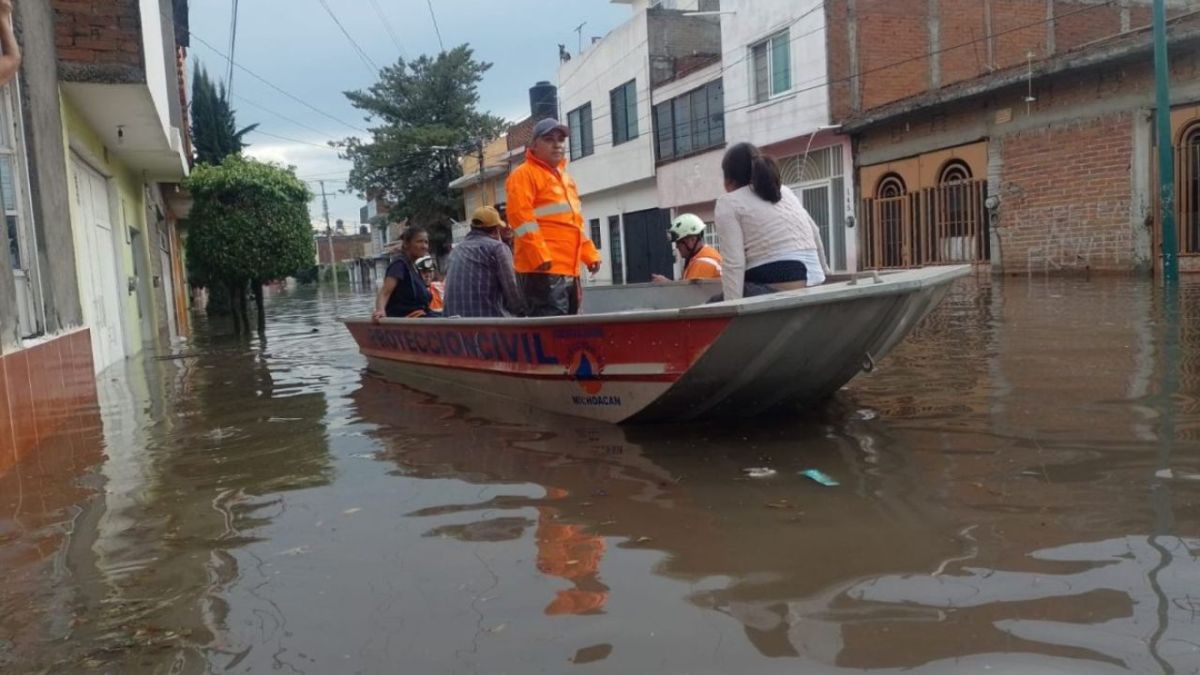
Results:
[214, 130]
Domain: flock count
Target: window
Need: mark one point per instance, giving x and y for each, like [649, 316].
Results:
[17, 226]
[624, 112]
[953, 212]
[771, 67]
[954, 172]
[890, 187]
[710, 236]
[614, 238]
[1188, 179]
[580, 121]
[690, 123]
[595, 227]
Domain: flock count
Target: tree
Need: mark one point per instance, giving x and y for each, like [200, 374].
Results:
[426, 114]
[249, 224]
[214, 130]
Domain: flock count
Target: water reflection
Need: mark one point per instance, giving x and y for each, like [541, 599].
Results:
[1018, 488]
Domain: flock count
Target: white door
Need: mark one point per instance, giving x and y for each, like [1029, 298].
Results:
[99, 280]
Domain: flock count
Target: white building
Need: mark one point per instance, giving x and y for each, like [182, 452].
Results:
[772, 78]
[604, 95]
[690, 78]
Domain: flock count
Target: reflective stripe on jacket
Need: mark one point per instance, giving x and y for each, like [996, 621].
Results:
[706, 264]
[547, 220]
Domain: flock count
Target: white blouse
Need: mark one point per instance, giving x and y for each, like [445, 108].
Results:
[755, 232]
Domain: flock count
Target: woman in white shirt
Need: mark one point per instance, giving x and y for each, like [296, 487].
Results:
[768, 241]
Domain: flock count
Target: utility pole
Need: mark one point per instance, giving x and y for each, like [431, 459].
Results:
[482, 192]
[332, 255]
[1166, 149]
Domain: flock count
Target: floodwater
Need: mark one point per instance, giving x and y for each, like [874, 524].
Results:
[1018, 489]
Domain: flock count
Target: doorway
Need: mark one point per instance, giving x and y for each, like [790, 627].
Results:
[647, 248]
[98, 275]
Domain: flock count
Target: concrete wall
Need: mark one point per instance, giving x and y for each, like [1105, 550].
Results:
[620, 57]
[46, 152]
[806, 106]
[172, 73]
[156, 35]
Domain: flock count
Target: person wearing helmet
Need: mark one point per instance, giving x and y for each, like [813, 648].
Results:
[700, 261]
[427, 268]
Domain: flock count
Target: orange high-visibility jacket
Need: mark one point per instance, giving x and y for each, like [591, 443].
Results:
[547, 220]
[706, 264]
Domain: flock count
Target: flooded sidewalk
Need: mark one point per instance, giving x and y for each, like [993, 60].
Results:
[1013, 490]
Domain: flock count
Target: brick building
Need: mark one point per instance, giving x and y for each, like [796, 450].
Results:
[1015, 132]
[346, 247]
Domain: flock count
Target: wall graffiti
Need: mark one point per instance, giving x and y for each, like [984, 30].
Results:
[1069, 236]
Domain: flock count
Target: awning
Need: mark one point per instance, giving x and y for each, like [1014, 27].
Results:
[473, 178]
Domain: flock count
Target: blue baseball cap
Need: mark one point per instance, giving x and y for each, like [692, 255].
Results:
[547, 125]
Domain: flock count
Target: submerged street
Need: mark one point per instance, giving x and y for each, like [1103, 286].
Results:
[1016, 491]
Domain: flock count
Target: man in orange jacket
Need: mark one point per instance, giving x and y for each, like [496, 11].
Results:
[549, 241]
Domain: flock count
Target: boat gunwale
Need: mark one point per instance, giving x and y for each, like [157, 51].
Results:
[899, 282]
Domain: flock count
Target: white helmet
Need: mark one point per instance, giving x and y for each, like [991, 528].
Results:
[425, 264]
[686, 225]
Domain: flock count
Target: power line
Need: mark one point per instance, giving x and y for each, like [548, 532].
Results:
[294, 140]
[433, 15]
[387, 25]
[280, 115]
[233, 23]
[370, 64]
[274, 86]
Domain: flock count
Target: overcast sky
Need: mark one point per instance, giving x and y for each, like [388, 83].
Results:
[295, 45]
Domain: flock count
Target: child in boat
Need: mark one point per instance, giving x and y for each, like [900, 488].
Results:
[428, 269]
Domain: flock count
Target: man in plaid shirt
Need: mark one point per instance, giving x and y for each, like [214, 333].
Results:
[480, 281]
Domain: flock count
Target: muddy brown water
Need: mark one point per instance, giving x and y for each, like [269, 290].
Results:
[1018, 489]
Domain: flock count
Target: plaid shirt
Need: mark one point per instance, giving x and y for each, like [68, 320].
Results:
[480, 281]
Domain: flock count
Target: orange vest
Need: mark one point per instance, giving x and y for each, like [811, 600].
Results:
[706, 264]
[435, 289]
[547, 220]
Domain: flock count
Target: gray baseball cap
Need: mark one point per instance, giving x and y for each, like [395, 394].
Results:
[547, 125]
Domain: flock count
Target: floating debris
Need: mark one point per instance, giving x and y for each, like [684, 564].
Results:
[759, 472]
[1170, 474]
[820, 477]
[350, 512]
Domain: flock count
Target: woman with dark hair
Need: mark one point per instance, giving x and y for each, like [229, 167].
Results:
[768, 241]
[404, 293]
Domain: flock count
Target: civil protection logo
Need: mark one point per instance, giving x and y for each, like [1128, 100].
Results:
[585, 369]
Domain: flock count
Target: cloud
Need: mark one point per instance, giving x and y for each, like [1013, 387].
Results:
[313, 164]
